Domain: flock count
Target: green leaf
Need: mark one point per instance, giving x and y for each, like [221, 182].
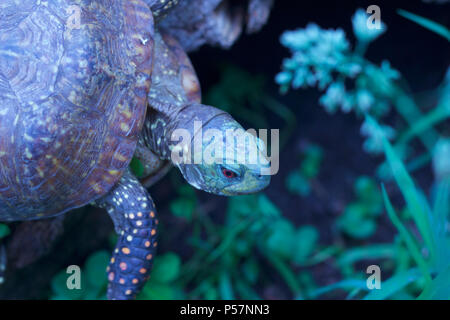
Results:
[439, 288]
[245, 291]
[137, 167]
[404, 233]
[306, 239]
[426, 23]
[310, 166]
[225, 287]
[4, 230]
[95, 268]
[157, 291]
[416, 206]
[367, 191]
[348, 284]
[186, 190]
[441, 210]
[250, 269]
[296, 183]
[211, 293]
[60, 290]
[363, 229]
[355, 223]
[166, 268]
[183, 207]
[242, 205]
[375, 251]
[266, 206]
[282, 238]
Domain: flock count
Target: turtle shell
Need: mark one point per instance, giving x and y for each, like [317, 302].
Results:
[174, 80]
[74, 80]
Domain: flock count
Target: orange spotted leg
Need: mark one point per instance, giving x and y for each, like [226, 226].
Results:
[133, 212]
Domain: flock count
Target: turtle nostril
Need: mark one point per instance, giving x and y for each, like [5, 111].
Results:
[260, 176]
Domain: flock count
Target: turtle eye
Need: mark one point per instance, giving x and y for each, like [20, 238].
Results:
[227, 173]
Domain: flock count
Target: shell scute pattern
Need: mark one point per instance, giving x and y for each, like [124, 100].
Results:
[175, 82]
[85, 91]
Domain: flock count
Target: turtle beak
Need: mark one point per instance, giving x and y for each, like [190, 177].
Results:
[253, 182]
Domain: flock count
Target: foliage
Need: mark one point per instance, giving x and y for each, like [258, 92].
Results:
[359, 217]
[226, 265]
[324, 59]
[137, 167]
[161, 285]
[420, 253]
[93, 280]
[4, 230]
[184, 205]
[255, 242]
[429, 251]
[298, 181]
[426, 23]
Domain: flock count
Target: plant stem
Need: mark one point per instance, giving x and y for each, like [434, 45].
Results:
[408, 109]
[439, 114]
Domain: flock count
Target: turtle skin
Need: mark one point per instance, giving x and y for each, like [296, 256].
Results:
[175, 106]
[74, 80]
[175, 83]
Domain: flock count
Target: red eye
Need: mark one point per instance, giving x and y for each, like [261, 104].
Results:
[228, 173]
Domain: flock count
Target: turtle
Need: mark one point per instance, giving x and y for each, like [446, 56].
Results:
[79, 99]
[174, 103]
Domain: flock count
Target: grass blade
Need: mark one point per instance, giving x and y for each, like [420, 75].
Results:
[377, 251]
[439, 288]
[394, 285]
[441, 209]
[426, 23]
[416, 206]
[349, 284]
[406, 236]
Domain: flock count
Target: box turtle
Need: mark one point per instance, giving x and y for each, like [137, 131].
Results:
[84, 86]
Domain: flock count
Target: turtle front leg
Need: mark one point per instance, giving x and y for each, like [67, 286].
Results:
[133, 212]
[154, 167]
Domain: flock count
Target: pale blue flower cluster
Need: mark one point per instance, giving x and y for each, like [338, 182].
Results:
[361, 29]
[324, 59]
[375, 133]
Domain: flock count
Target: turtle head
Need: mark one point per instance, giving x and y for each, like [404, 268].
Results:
[224, 159]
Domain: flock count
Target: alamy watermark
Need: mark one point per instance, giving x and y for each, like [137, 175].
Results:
[374, 280]
[232, 146]
[73, 281]
[374, 21]
[74, 20]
